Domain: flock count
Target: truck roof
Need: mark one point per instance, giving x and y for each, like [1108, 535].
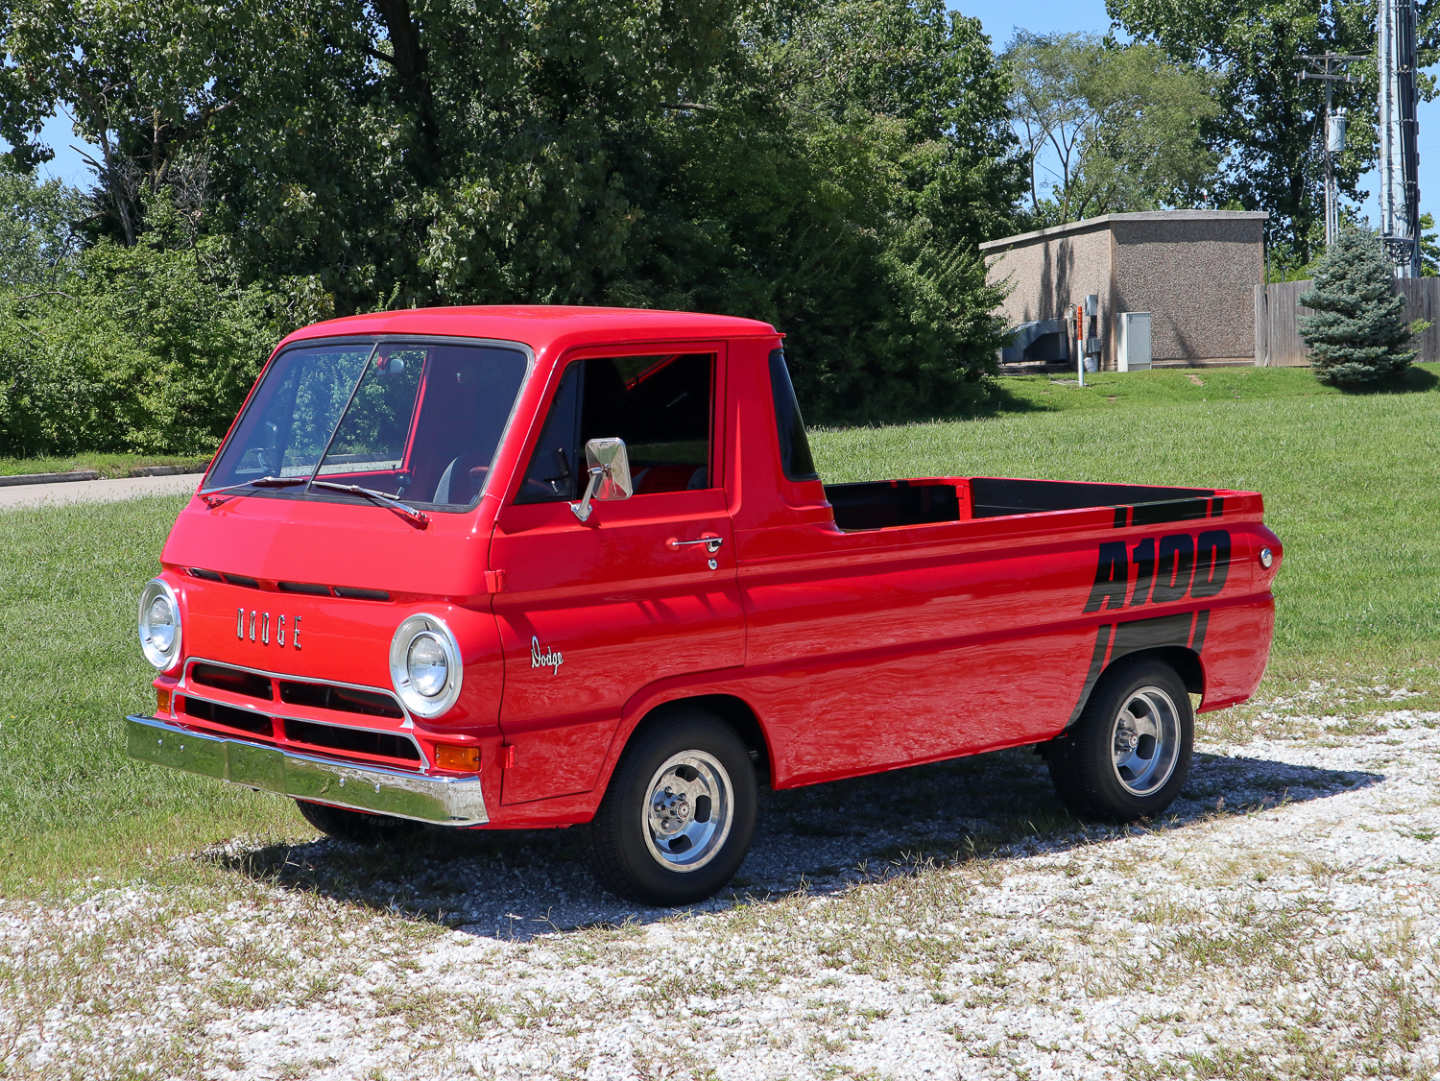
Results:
[541, 326]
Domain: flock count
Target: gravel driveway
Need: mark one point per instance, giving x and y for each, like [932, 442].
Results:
[945, 922]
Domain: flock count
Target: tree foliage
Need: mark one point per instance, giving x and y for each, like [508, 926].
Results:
[38, 238]
[1358, 334]
[149, 347]
[1109, 128]
[1268, 128]
[1429, 246]
[830, 167]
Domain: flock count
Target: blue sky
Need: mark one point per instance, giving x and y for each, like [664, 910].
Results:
[1000, 18]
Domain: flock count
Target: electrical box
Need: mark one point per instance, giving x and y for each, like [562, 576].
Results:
[1335, 132]
[1134, 351]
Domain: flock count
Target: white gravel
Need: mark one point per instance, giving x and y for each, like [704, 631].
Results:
[947, 922]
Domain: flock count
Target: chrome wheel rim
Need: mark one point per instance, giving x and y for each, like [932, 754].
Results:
[688, 810]
[1145, 741]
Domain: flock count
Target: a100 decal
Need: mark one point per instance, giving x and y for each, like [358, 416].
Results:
[1160, 570]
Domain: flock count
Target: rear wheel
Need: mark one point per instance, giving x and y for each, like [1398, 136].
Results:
[679, 814]
[347, 825]
[1128, 755]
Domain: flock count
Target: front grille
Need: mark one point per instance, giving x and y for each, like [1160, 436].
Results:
[302, 715]
[353, 740]
[237, 720]
[346, 699]
[234, 680]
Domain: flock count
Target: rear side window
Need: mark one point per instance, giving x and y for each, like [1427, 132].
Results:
[795, 460]
[660, 405]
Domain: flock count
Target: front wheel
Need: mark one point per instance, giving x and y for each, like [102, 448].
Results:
[679, 814]
[1128, 755]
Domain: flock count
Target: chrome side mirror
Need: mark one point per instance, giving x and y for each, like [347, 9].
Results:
[609, 467]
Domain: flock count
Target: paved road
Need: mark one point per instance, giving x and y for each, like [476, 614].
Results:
[95, 491]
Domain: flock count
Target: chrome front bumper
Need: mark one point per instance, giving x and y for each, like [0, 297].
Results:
[446, 801]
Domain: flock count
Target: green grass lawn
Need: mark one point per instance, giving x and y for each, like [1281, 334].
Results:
[72, 805]
[107, 465]
[1349, 483]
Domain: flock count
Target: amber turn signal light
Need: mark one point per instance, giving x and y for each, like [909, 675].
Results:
[162, 701]
[448, 756]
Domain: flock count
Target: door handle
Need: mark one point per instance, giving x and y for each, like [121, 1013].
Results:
[710, 541]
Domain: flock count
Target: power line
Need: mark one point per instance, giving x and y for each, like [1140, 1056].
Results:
[1325, 67]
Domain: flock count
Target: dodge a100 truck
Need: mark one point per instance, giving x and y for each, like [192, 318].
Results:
[519, 567]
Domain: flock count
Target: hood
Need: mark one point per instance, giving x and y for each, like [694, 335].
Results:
[346, 543]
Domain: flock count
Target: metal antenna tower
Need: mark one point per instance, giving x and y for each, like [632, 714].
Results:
[1399, 136]
[1325, 68]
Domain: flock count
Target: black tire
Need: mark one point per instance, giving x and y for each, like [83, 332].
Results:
[347, 825]
[691, 838]
[1128, 755]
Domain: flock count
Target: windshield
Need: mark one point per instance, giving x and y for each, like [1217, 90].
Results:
[413, 419]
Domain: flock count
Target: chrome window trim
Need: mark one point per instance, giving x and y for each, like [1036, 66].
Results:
[377, 340]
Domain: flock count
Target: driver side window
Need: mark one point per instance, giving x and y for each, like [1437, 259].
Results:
[660, 405]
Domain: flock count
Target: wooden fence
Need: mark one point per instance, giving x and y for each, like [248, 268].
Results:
[1278, 309]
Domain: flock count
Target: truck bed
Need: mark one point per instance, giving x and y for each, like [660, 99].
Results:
[888, 503]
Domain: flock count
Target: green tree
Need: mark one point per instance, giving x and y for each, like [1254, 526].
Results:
[38, 239]
[1052, 112]
[1429, 246]
[1267, 131]
[150, 347]
[1146, 150]
[1116, 127]
[1358, 334]
[830, 167]
[902, 104]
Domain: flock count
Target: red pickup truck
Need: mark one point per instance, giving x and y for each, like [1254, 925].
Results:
[522, 567]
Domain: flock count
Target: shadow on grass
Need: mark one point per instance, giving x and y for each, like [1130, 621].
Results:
[519, 885]
[987, 397]
[1416, 379]
[993, 399]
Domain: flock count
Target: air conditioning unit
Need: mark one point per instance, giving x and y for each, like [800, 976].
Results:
[1134, 352]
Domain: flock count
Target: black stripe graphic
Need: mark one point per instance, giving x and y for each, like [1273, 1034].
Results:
[1141, 634]
[1197, 640]
[1217, 506]
[1097, 662]
[1122, 517]
[1174, 510]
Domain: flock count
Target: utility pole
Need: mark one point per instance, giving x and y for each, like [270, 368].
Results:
[1325, 68]
[1399, 136]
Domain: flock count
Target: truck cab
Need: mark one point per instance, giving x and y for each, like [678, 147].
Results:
[530, 567]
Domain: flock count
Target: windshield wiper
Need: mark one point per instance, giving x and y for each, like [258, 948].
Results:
[417, 518]
[215, 496]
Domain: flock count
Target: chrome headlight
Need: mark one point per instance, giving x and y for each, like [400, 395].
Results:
[425, 665]
[159, 625]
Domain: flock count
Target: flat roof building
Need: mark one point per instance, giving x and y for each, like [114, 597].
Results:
[1194, 271]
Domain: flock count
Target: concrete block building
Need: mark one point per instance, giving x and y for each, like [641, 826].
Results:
[1194, 271]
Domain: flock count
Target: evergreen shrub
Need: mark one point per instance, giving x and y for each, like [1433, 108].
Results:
[1358, 334]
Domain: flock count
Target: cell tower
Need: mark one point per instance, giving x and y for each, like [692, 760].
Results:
[1399, 137]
